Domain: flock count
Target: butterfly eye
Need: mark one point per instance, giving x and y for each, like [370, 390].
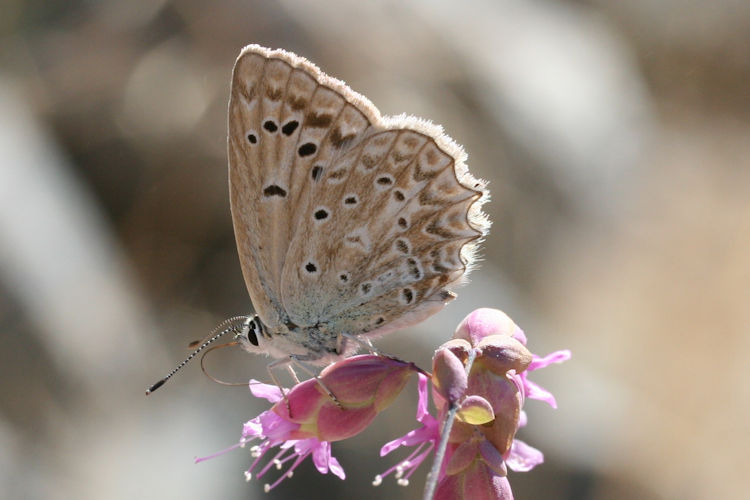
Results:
[252, 332]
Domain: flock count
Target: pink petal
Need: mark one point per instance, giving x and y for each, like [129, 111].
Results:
[305, 399]
[252, 428]
[336, 424]
[324, 461]
[269, 392]
[519, 335]
[430, 430]
[555, 357]
[359, 379]
[424, 434]
[275, 428]
[448, 375]
[502, 353]
[492, 458]
[523, 419]
[335, 467]
[522, 457]
[478, 483]
[484, 322]
[321, 453]
[423, 399]
[462, 457]
[534, 391]
[481, 483]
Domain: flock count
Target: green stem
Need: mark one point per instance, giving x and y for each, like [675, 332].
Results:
[450, 417]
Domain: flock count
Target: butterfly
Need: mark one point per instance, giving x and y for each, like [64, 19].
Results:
[349, 224]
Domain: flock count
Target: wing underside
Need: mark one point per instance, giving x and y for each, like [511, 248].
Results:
[343, 218]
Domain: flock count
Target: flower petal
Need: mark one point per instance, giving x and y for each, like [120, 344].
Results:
[477, 483]
[321, 454]
[448, 375]
[275, 428]
[269, 392]
[252, 429]
[522, 457]
[492, 458]
[475, 410]
[484, 322]
[428, 432]
[534, 391]
[423, 396]
[501, 353]
[335, 424]
[482, 483]
[462, 457]
[554, 357]
[335, 467]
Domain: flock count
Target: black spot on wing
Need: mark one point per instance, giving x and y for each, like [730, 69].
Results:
[307, 149]
[317, 171]
[274, 190]
[289, 127]
[270, 126]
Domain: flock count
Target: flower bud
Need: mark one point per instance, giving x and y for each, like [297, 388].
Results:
[448, 375]
[362, 387]
[484, 322]
[500, 354]
[459, 347]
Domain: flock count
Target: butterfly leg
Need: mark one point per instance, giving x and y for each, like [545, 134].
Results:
[276, 364]
[299, 362]
[291, 371]
[366, 343]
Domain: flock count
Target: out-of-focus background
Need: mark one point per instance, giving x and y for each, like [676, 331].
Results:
[616, 139]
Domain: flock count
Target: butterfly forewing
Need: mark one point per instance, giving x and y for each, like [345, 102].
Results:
[345, 220]
[257, 193]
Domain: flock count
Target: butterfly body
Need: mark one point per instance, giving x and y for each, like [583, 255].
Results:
[315, 344]
[349, 224]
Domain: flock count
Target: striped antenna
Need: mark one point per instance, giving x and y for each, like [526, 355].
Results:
[226, 326]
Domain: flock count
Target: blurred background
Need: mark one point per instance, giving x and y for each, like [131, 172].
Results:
[616, 139]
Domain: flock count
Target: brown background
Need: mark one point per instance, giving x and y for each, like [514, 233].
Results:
[616, 139]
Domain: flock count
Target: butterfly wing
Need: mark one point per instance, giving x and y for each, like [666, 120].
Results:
[399, 233]
[344, 219]
[263, 134]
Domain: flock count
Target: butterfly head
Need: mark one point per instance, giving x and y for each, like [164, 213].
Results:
[253, 335]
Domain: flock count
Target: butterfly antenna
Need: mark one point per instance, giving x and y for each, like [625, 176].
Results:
[226, 326]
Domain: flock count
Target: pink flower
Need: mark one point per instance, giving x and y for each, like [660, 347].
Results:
[307, 421]
[488, 404]
[475, 471]
[479, 386]
[423, 438]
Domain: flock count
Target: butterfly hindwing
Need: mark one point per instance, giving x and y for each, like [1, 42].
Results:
[416, 243]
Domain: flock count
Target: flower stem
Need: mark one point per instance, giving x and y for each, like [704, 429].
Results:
[450, 417]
